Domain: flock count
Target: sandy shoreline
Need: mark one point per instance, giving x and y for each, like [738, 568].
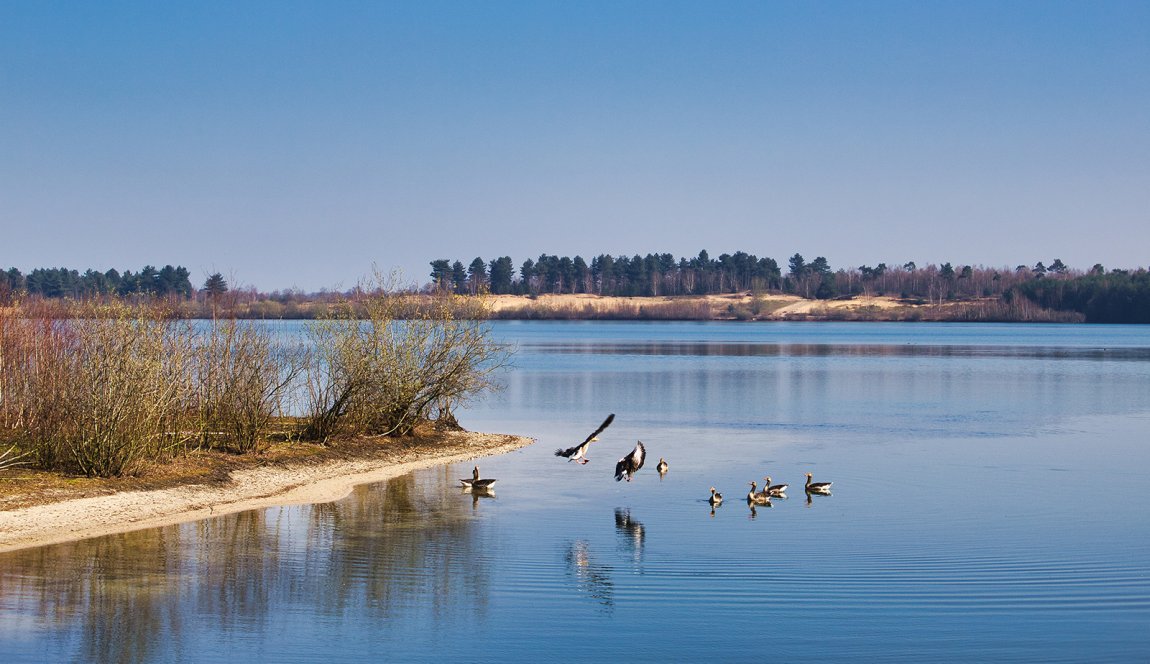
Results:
[248, 489]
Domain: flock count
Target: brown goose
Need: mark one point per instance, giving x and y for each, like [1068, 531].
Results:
[475, 482]
[760, 498]
[579, 452]
[817, 487]
[630, 464]
[773, 489]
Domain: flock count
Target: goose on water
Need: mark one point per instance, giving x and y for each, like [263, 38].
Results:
[773, 489]
[579, 452]
[757, 498]
[475, 482]
[630, 464]
[716, 498]
[817, 487]
[662, 467]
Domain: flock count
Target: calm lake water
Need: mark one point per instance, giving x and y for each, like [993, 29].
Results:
[990, 503]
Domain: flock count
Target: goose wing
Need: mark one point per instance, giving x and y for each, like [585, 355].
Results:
[606, 423]
[571, 451]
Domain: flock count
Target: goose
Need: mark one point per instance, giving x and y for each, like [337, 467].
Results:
[630, 464]
[757, 498]
[817, 487]
[579, 452]
[716, 498]
[662, 467]
[773, 489]
[475, 482]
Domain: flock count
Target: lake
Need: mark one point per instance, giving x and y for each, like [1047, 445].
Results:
[989, 503]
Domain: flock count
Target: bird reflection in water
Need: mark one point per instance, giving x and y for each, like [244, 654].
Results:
[631, 531]
[591, 578]
[815, 493]
[478, 493]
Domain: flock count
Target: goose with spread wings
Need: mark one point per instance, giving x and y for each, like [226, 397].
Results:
[630, 464]
[579, 452]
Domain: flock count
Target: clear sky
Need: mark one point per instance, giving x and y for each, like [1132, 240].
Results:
[292, 144]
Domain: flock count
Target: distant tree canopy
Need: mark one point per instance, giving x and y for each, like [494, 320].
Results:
[1117, 297]
[1097, 294]
[64, 282]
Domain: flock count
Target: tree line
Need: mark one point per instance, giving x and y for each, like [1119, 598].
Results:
[664, 274]
[168, 281]
[1119, 296]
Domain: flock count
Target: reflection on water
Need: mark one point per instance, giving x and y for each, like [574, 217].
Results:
[731, 349]
[592, 579]
[888, 568]
[631, 532]
[374, 553]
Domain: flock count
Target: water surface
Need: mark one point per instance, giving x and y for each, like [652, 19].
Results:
[988, 503]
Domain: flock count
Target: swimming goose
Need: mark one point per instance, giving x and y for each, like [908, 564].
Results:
[475, 482]
[817, 487]
[773, 489]
[630, 464]
[716, 498]
[662, 467]
[579, 452]
[757, 498]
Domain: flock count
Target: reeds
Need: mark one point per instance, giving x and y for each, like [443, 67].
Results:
[103, 389]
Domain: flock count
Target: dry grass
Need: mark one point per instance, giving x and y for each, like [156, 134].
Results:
[24, 487]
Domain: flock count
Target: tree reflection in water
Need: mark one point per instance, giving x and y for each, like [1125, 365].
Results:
[141, 596]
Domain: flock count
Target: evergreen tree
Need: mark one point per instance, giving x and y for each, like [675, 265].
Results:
[215, 286]
[459, 277]
[477, 276]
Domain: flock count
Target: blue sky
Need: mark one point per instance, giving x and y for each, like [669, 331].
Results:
[291, 144]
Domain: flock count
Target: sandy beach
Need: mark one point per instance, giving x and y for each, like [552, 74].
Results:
[771, 306]
[247, 489]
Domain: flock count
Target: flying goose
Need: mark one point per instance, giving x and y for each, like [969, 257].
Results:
[817, 487]
[630, 464]
[579, 452]
[475, 482]
[773, 489]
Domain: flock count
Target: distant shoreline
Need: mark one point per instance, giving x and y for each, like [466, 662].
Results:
[748, 306]
[49, 520]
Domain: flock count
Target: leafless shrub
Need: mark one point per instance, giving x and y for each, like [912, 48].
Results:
[389, 359]
[240, 378]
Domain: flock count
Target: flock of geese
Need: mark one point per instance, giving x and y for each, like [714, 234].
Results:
[626, 468]
[772, 491]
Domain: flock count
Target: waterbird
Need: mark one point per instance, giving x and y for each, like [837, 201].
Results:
[773, 489]
[630, 464]
[662, 467]
[817, 487]
[579, 452]
[757, 498]
[475, 482]
[716, 498]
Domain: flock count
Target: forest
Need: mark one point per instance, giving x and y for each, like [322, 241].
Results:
[64, 282]
[1098, 294]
